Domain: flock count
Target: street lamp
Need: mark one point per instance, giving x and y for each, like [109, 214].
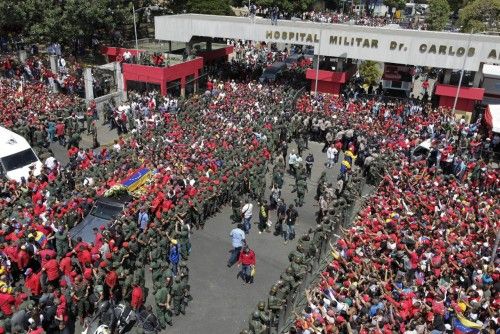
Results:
[135, 25]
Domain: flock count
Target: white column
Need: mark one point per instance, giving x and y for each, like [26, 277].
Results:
[120, 85]
[89, 87]
[22, 56]
[447, 76]
[340, 65]
[478, 76]
[53, 63]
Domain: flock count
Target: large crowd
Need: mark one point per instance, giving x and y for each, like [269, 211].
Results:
[418, 258]
[415, 259]
[360, 17]
[201, 156]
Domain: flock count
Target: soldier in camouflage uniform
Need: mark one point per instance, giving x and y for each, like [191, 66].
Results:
[178, 293]
[236, 207]
[255, 326]
[274, 304]
[163, 300]
[300, 188]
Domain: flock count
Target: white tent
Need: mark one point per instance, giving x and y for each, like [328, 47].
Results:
[491, 71]
[492, 117]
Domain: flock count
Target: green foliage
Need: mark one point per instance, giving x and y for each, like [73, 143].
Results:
[239, 3]
[212, 7]
[290, 6]
[480, 15]
[62, 21]
[398, 4]
[439, 11]
[370, 72]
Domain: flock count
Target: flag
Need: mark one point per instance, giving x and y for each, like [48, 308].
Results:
[465, 326]
[137, 179]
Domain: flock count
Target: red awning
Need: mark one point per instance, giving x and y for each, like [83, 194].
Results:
[329, 76]
[467, 93]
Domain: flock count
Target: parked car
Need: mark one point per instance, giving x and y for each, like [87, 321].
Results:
[294, 59]
[103, 213]
[272, 72]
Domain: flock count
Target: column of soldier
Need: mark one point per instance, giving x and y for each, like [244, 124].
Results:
[383, 142]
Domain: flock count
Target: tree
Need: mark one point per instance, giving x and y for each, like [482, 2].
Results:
[398, 4]
[212, 7]
[63, 21]
[439, 12]
[370, 72]
[480, 15]
[289, 6]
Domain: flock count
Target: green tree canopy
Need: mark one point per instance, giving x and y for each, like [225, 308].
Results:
[290, 6]
[480, 15]
[62, 21]
[439, 12]
[212, 7]
[398, 4]
[370, 72]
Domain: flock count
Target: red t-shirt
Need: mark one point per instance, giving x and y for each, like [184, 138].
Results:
[6, 303]
[247, 258]
[111, 279]
[137, 298]
[52, 269]
[32, 282]
[66, 265]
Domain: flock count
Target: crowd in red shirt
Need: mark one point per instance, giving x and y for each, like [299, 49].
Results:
[418, 256]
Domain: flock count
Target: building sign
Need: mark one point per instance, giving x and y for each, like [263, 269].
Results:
[399, 46]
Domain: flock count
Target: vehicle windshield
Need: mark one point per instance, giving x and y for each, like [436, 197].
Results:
[19, 160]
[272, 70]
[105, 211]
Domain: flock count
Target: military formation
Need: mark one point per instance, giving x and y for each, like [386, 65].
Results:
[304, 259]
[337, 206]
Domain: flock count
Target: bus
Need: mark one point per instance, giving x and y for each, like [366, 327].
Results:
[17, 158]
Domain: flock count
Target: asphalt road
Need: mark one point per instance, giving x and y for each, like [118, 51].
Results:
[221, 302]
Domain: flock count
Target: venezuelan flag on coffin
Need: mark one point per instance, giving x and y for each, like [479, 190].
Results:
[464, 326]
[137, 179]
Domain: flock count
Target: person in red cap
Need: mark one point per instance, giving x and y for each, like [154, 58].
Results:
[111, 282]
[7, 301]
[137, 297]
[32, 282]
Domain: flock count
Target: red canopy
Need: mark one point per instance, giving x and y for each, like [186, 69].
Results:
[467, 93]
[330, 76]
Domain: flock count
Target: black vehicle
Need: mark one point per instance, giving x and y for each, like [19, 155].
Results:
[293, 59]
[272, 72]
[103, 213]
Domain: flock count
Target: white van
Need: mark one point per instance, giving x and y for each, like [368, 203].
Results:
[17, 157]
[421, 152]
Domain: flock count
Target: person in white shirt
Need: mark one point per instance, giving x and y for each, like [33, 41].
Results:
[127, 56]
[246, 212]
[50, 163]
[116, 146]
[292, 161]
[331, 153]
